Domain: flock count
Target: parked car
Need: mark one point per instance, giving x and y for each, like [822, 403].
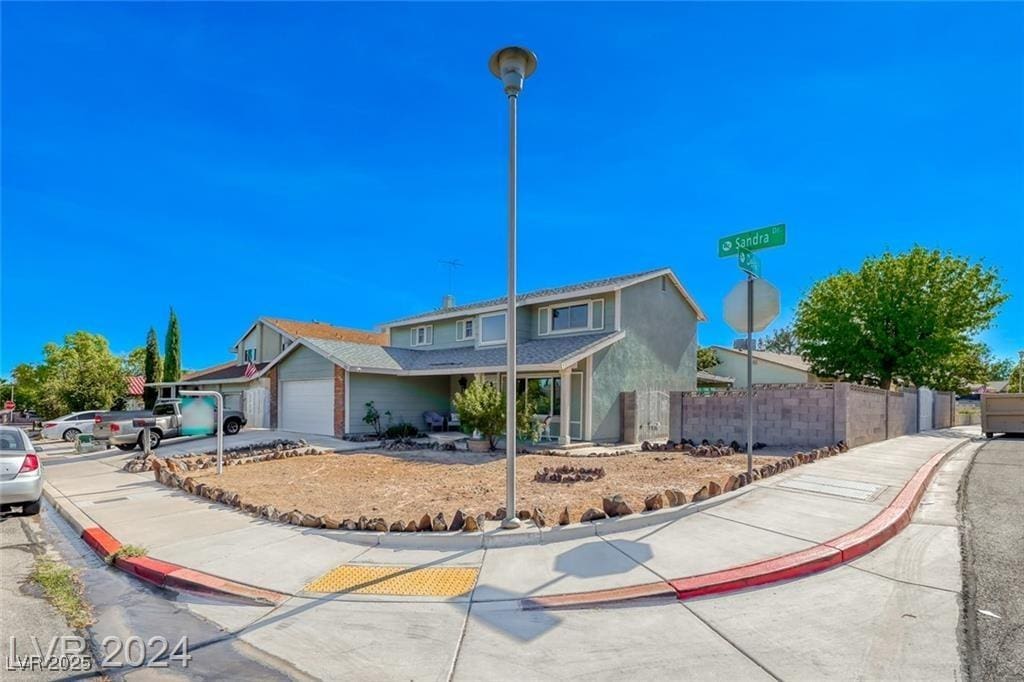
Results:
[118, 429]
[70, 425]
[21, 472]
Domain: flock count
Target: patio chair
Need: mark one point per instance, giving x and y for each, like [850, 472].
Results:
[453, 420]
[434, 420]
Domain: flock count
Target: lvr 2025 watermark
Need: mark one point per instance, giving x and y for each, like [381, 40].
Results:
[70, 653]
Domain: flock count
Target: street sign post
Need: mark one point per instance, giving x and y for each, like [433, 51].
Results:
[751, 306]
[753, 240]
[749, 262]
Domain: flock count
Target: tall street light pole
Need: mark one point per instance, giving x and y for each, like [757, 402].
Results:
[1020, 375]
[512, 65]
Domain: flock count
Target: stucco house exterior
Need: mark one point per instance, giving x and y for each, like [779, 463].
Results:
[579, 347]
[768, 368]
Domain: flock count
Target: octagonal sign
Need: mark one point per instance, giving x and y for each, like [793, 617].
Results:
[766, 306]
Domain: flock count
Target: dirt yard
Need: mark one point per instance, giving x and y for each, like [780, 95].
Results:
[405, 486]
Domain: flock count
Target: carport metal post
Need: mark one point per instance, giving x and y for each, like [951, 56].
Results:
[513, 65]
[219, 419]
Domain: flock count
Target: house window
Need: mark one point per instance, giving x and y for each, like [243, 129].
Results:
[423, 336]
[250, 355]
[464, 330]
[573, 317]
[492, 328]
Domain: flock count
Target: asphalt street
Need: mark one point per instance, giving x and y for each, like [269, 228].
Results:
[993, 548]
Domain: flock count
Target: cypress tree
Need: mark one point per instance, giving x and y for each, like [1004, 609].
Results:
[172, 350]
[152, 368]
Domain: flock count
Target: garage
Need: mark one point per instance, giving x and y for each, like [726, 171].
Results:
[307, 406]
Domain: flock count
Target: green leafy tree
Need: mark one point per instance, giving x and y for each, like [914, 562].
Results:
[781, 341]
[909, 317]
[172, 349]
[481, 407]
[151, 369]
[706, 359]
[27, 380]
[81, 374]
[1000, 370]
[135, 362]
[1014, 384]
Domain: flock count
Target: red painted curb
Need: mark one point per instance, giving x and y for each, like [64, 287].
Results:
[891, 520]
[876, 532]
[598, 597]
[166, 574]
[102, 542]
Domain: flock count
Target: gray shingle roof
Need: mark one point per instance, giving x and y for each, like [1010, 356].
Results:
[539, 293]
[549, 351]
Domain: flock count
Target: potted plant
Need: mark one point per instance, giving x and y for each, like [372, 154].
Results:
[481, 409]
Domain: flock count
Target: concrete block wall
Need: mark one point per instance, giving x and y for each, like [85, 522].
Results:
[801, 415]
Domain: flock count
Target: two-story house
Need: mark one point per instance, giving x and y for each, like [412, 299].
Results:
[579, 347]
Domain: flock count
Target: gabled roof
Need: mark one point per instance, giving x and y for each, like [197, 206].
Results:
[136, 384]
[322, 330]
[596, 286]
[293, 329]
[784, 359]
[708, 377]
[554, 353]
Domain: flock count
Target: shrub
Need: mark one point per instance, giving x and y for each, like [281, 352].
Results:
[481, 407]
[401, 430]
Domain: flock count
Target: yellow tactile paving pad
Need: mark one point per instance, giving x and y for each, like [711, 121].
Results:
[399, 581]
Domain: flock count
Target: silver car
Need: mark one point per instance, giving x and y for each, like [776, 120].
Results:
[21, 472]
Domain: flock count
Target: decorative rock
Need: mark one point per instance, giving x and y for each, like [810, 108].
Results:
[616, 506]
[523, 515]
[500, 513]
[330, 522]
[701, 494]
[714, 489]
[425, 523]
[563, 518]
[731, 484]
[675, 497]
[469, 525]
[349, 524]
[438, 525]
[397, 527]
[489, 515]
[377, 524]
[538, 518]
[458, 521]
[295, 518]
[411, 527]
[654, 502]
[361, 523]
[592, 515]
[310, 521]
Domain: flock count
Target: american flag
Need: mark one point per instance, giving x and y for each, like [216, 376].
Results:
[250, 371]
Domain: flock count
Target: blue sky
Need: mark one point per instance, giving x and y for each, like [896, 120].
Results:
[316, 161]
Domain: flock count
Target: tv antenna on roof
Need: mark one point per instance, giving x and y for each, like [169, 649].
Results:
[451, 265]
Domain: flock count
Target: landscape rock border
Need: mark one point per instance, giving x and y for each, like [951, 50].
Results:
[173, 472]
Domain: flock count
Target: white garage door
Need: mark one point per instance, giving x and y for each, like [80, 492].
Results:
[307, 406]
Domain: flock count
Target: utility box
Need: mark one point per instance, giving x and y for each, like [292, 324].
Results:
[1002, 413]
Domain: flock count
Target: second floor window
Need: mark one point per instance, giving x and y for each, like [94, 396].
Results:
[423, 336]
[581, 316]
[492, 328]
[250, 355]
[464, 330]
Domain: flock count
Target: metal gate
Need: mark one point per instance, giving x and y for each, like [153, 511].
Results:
[652, 410]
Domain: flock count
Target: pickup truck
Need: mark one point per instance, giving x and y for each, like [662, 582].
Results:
[117, 428]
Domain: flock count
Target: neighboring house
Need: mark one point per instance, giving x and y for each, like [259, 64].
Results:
[133, 397]
[768, 368]
[579, 348]
[242, 381]
[714, 381]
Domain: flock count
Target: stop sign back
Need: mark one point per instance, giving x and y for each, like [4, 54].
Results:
[766, 306]
[9, 405]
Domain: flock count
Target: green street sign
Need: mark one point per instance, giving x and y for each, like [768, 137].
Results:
[749, 263]
[761, 238]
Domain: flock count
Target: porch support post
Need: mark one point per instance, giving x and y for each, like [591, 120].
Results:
[566, 408]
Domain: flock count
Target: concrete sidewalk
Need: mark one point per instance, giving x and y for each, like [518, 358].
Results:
[785, 513]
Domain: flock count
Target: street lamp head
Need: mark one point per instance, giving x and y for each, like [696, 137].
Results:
[513, 65]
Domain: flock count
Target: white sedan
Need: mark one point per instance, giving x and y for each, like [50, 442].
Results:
[69, 426]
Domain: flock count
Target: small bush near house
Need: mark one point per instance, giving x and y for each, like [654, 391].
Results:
[372, 417]
[481, 407]
[401, 430]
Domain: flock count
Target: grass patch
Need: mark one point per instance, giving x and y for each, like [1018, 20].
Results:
[63, 589]
[128, 551]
